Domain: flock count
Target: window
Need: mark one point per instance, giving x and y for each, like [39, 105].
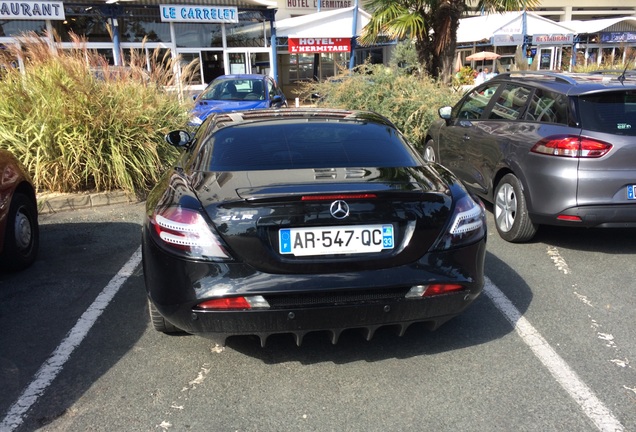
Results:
[18, 27]
[510, 103]
[476, 102]
[548, 107]
[610, 112]
[303, 144]
[140, 24]
[189, 35]
[85, 21]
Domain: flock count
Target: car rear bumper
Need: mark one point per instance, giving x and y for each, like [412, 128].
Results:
[334, 319]
[601, 216]
[345, 300]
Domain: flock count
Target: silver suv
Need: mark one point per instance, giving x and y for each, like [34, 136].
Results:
[545, 148]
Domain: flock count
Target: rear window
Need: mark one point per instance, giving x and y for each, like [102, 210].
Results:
[609, 112]
[308, 144]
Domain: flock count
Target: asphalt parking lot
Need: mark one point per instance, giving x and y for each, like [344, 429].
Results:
[549, 346]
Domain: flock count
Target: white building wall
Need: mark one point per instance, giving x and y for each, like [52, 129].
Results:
[557, 10]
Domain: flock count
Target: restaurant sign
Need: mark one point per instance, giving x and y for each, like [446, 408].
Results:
[198, 14]
[618, 37]
[507, 39]
[31, 10]
[319, 45]
[553, 39]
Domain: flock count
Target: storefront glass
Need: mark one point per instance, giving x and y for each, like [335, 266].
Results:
[199, 35]
[87, 21]
[252, 31]
[16, 28]
[140, 24]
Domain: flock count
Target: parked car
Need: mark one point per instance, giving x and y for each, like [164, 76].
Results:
[236, 93]
[300, 220]
[545, 148]
[19, 232]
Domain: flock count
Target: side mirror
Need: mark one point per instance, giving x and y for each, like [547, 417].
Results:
[178, 138]
[445, 112]
[194, 97]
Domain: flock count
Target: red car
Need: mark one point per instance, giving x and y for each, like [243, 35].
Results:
[19, 231]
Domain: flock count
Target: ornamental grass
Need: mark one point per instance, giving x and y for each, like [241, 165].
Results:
[79, 124]
[410, 101]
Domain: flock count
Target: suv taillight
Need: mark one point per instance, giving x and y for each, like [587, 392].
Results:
[571, 146]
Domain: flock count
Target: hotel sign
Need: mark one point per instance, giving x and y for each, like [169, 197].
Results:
[324, 4]
[31, 10]
[198, 14]
[318, 45]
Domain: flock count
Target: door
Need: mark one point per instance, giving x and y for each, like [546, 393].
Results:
[547, 58]
[248, 61]
[211, 65]
[462, 140]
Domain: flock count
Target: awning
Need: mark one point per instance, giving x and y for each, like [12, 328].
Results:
[484, 27]
[600, 25]
[331, 24]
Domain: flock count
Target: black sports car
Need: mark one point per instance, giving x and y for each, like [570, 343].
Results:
[297, 220]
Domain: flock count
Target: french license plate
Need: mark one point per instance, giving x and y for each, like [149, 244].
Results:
[631, 192]
[335, 240]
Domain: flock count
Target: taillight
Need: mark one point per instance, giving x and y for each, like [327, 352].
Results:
[420, 291]
[569, 218]
[235, 303]
[332, 197]
[571, 146]
[468, 224]
[185, 232]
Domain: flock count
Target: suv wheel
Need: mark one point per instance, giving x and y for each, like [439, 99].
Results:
[429, 151]
[511, 213]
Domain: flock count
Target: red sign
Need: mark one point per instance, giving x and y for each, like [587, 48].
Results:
[319, 45]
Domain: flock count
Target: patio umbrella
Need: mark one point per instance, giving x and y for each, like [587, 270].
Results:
[484, 55]
[458, 62]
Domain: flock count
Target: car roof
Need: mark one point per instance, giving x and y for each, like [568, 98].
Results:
[241, 76]
[574, 84]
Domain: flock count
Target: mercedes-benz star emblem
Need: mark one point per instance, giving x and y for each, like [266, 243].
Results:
[339, 209]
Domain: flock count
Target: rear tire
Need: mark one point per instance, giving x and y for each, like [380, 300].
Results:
[511, 213]
[22, 234]
[159, 322]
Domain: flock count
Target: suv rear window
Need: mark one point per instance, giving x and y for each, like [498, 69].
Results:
[610, 112]
[308, 144]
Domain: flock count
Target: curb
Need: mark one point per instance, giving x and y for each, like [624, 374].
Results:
[58, 202]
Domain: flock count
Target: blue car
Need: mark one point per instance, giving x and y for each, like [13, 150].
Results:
[237, 93]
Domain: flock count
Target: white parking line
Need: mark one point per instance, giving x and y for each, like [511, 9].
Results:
[565, 376]
[52, 367]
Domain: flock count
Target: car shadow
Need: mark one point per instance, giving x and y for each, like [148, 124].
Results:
[602, 240]
[479, 324]
[40, 305]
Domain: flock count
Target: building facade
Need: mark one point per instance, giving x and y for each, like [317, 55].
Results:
[228, 36]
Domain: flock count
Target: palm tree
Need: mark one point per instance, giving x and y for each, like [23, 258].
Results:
[432, 24]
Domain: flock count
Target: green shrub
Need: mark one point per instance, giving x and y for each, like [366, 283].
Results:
[76, 129]
[409, 101]
[465, 76]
